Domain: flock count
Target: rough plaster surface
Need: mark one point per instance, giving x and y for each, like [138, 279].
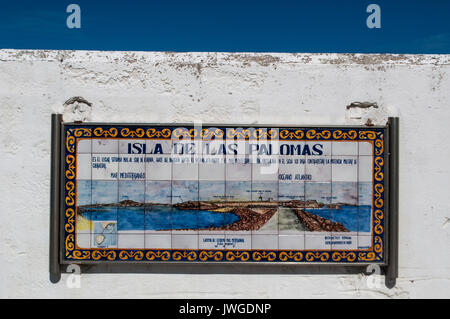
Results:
[230, 88]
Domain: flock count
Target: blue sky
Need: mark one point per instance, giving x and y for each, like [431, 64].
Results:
[414, 26]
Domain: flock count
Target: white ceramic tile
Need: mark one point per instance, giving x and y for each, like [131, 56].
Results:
[215, 148]
[292, 169]
[265, 172]
[365, 148]
[212, 159]
[158, 241]
[318, 148]
[186, 148]
[208, 231]
[318, 241]
[237, 169]
[293, 242]
[263, 148]
[130, 147]
[158, 168]
[84, 146]
[292, 149]
[105, 146]
[83, 240]
[365, 169]
[364, 241]
[104, 166]
[185, 171]
[184, 241]
[319, 167]
[211, 171]
[127, 240]
[107, 240]
[84, 166]
[238, 241]
[158, 147]
[132, 167]
[210, 241]
[182, 232]
[365, 233]
[344, 168]
[345, 148]
[264, 242]
[344, 240]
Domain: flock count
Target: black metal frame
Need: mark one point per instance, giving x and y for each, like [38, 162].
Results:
[55, 198]
[390, 267]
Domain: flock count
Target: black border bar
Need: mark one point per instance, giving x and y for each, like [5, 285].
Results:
[391, 270]
[55, 188]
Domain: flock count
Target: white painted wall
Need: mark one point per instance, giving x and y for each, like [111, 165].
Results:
[233, 88]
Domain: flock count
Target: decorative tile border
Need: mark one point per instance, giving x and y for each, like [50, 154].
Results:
[376, 254]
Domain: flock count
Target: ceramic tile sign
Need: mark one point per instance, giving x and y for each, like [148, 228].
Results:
[223, 194]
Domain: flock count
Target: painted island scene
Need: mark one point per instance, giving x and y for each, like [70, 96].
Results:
[128, 198]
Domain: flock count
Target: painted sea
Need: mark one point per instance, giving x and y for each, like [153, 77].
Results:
[354, 218]
[162, 217]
